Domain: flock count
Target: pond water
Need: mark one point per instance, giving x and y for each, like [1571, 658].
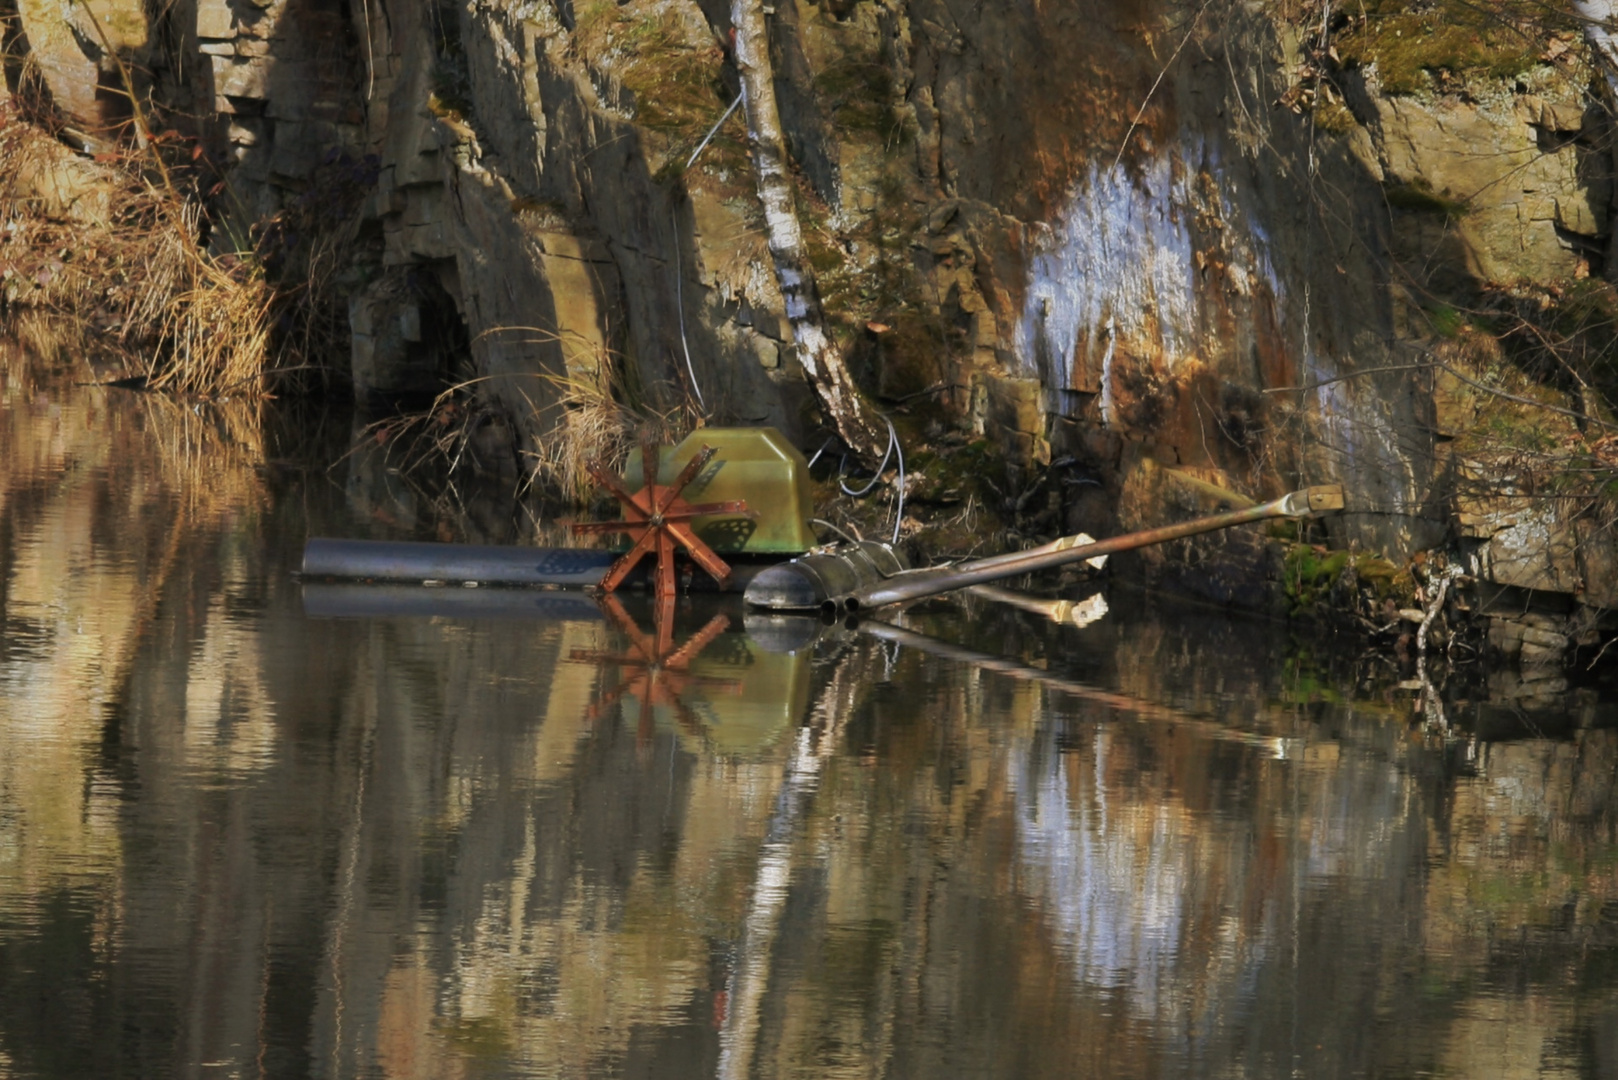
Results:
[248, 829]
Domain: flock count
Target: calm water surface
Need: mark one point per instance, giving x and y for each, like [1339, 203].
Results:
[246, 831]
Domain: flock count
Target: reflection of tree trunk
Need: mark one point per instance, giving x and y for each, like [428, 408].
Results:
[816, 741]
[343, 917]
[821, 362]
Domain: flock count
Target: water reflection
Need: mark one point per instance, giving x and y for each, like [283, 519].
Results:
[253, 828]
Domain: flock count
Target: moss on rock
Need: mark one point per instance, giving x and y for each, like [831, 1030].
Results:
[1426, 46]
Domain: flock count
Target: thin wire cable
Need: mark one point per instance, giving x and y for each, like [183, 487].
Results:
[679, 272]
[899, 508]
[1140, 112]
[1309, 243]
[692, 160]
[887, 455]
[880, 469]
[679, 302]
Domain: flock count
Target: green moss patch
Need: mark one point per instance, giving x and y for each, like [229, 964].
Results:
[1354, 580]
[1419, 47]
[858, 89]
[674, 82]
[1334, 117]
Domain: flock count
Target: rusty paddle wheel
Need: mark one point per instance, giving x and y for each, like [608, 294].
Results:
[657, 519]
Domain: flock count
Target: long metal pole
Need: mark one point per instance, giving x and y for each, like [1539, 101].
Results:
[915, 584]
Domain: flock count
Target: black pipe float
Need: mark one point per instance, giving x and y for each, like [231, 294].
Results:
[821, 580]
[457, 564]
[415, 562]
[772, 631]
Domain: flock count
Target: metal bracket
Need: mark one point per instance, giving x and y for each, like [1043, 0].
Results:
[1325, 499]
[1313, 502]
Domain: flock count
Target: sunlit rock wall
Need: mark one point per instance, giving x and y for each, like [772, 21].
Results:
[1088, 233]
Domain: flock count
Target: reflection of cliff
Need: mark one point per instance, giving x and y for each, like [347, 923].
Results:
[105, 502]
[586, 865]
[1189, 905]
[1528, 844]
[98, 499]
[1120, 884]
[422, 847]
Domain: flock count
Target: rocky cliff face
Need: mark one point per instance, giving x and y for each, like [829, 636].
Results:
[1117, 239]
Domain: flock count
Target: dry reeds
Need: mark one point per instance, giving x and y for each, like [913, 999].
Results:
[215, 321]
[591, 413]
[597, 416]
[114, 243]
[590, 426]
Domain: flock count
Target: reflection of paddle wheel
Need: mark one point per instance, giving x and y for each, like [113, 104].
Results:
[658, 520]
[656, 672]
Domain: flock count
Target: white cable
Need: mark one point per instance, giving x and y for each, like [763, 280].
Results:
[893, 445]
[679, 302]
[866, 490]
[692, 160]
[679, 284]
[899, 509]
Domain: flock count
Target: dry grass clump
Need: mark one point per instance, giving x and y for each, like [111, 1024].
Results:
[209, 315]
[115, 243]
[592, 425]
[591, 413]
[598, 414]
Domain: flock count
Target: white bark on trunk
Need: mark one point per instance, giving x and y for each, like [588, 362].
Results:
[1598, 28]
[827, 373]
[1600, 21]
[817, 741]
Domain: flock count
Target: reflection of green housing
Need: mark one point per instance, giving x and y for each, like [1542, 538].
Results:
[756, 464]
[772, 696]
[746, 697]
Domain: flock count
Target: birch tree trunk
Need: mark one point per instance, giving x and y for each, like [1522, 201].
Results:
[1599, 17]
[864, 433]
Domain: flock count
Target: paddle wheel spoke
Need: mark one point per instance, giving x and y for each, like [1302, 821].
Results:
[700, 640]
[657, 519]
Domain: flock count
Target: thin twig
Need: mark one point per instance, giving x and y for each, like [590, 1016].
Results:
[1140, 112]
[1344, 378]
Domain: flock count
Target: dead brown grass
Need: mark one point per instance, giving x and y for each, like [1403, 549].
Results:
[589, 414]
[112, 242]
[597, 416]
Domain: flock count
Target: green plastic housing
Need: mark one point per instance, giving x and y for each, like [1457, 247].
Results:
[755, 464]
